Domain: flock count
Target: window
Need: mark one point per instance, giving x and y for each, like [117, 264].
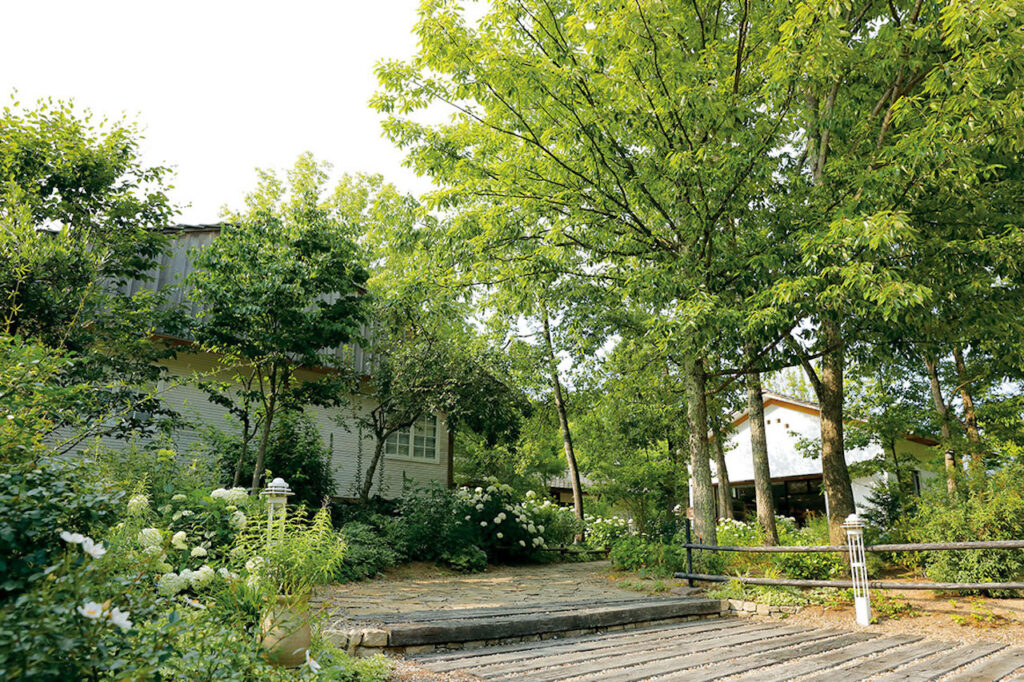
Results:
[418, 442]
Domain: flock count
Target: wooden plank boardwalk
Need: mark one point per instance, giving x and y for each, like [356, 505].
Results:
[735, 649]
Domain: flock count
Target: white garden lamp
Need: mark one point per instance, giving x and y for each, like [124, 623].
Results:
[276, 494]
[858, 568]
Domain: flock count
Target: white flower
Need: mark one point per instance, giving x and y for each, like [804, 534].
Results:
[93, 549]
[202, 577]
[164, 509]
[483, 524]
[497, 520]
[540, 529]
[72, 538]
[530, 494]
[501, 535]
[480, 507]
[314, 667]
[232, 496]
[226, 574]
[176, 516]
[138, 505]
[186, 512]
[238, 520]
[164, 567]
[171, 584]
[91, 609]
[254, 564]
[522, 543]
[532, 528]
[178, 498]
[468, 517]
[120, 618]
[197, 552]
[178, 540]
[479, 490]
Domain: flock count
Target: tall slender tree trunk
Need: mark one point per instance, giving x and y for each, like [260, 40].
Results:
[835, 474]
[261, 454]
[724, 489]
[970, 416]
[563, 420]
[242, 451]
[943, 411]
[367, 483]
[697, 416]
[759, 451]
[451, 454]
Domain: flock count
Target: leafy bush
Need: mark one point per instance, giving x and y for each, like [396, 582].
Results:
[603, 532]
[295, 452]
[433, 525]
[150, 468]
[992, 510]
[367, 553]
[637, 554]
[35, 504]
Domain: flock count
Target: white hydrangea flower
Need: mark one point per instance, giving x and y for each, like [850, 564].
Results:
[480, 507]
[178, 498]
[501, 536]
[238, 520]
[479, 490]
[532, 529]
[540, 529]
[171, 584]
[198, 551]
[522, 543]
[138, 505]
[254, 564]
[120, 618]
[202, 577]
[483, 524]
[178, 540]
[530, 494]
[164, 567]
[468, 517]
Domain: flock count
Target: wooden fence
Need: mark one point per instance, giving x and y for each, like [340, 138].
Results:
[690, 576]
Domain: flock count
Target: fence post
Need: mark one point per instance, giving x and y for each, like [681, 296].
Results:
[858, 568]
[276, 494]
[689, 553]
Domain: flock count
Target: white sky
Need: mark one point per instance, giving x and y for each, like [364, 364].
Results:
[220, 87]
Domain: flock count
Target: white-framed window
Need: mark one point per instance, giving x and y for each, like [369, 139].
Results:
[417, 442]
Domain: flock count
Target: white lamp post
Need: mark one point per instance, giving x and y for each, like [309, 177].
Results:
[858, 568]
[276, 494]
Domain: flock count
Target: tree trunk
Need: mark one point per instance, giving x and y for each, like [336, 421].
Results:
[970, 417]
[261, 454]
[697, 416]
[563, 422]
[724, 489]
[378, 452]
[451, 454]
[762, 469]
[672, 485]
[943, 411]
[834, 472]
[242, 451]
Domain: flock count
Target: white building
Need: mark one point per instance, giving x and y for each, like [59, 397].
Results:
[796, 479]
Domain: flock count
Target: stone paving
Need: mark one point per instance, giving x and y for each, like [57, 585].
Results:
[424, 587]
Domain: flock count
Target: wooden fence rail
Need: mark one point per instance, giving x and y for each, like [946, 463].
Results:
[690, 576]
[916, 547]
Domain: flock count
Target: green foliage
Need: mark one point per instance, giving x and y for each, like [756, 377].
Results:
[992, 510]
[147, 467]
[634, 553]
[295, 452]
[34, 505]
[433, 524]
[367, 553]
[297, 554]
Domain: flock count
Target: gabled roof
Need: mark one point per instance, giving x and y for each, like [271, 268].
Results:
[807, 407]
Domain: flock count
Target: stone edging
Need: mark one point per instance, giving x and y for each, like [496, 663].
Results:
[743, 609]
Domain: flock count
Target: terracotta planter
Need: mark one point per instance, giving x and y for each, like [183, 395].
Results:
[286, 633]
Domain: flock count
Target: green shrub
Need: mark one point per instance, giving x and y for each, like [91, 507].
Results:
[637, 554]
[467, 559]
[35, 504]
[367, 553]
[603, 532]
[992, 510]
[433, 525]
[295, 452]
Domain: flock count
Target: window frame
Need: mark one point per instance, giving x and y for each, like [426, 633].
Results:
[410, 444]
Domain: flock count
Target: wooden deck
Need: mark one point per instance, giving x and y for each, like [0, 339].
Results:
[735, 649]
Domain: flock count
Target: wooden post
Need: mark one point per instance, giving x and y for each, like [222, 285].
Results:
[689, 553]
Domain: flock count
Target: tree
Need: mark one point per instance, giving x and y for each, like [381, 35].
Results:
[279, 290]
[80, 216]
